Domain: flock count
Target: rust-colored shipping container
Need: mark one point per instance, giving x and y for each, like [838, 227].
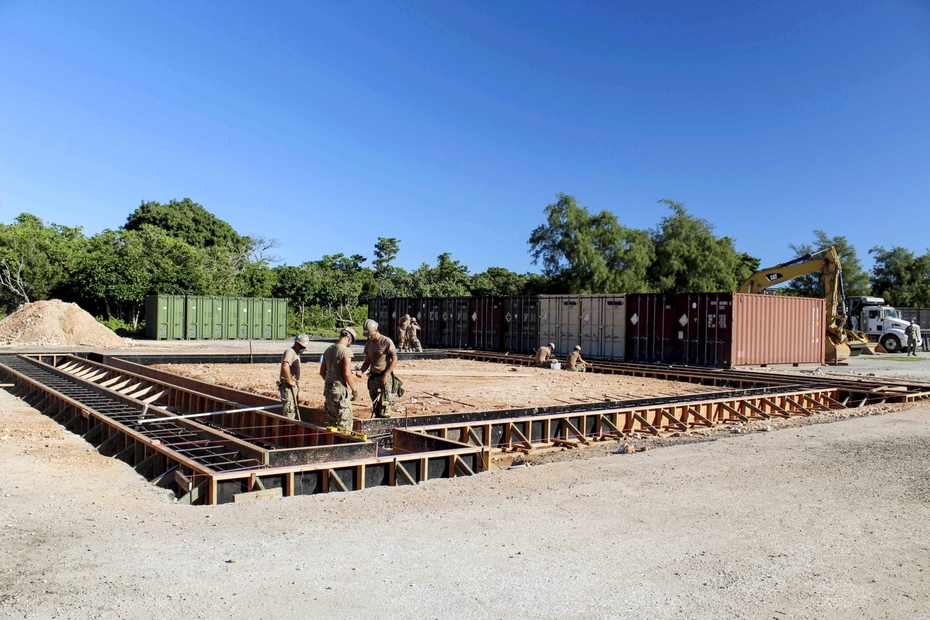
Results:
[725, 330]
[485, 323]
[521, 323]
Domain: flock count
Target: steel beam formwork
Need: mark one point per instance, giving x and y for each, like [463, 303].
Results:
[235, 453]
[576, 427]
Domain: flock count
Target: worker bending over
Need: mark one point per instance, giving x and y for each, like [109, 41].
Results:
[336, 371]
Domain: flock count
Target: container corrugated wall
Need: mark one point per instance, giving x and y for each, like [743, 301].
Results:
[164, 317]
[485, 317]
[724, 330]
[520, 326]
[429, 316]
[378, 311]
[775, 329]
[204, 317]
[559, 322]
[602, 326]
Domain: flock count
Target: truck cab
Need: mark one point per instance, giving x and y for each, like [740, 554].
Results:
[880, 322]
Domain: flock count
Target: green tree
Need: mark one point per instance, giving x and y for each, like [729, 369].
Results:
[386, 250]
[689, 258]
[449, 278]
[590, 253]
[186, 220]
[300, 286]
[35, 260]
[498, 281]
[900, 277]
[855, 279]
[120, 267]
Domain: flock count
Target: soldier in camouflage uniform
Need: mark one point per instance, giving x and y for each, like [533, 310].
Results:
[575, 363]
[413, 342]
[380, 358]
[289, 375]
[336, 371]
[402, 324]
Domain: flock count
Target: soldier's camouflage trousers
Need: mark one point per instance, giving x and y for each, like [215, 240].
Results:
[288, 404]
[337, 405]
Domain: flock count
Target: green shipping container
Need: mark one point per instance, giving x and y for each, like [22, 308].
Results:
[200, 317]
[193, 320]
[279, 314]
[164, 317]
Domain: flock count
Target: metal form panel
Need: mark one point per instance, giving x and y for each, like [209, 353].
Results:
[559, 322]
[650, 328]
[521, 323]
[485, 315]
[164, 317]
[429, 317]
[603, 326]
[776, 329]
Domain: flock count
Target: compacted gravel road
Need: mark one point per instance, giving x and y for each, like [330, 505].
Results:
[826, 520]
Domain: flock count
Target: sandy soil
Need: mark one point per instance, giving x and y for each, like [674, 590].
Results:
[807, 520]
[54, 322]
[445, 386]
[821, 521]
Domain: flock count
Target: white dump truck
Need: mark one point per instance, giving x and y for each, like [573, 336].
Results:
[880, 322]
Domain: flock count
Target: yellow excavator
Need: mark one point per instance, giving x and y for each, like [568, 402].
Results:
[840, 342]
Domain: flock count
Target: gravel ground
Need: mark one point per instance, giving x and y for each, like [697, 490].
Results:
[822, 520]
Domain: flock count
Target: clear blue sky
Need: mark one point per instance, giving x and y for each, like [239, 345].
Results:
[452, 125]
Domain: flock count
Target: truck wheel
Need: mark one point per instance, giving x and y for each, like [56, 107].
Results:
[891, 343]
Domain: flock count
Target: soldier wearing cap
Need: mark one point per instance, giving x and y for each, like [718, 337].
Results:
[413, 342]
[402, 324]
[575, 363]
[380, 359]
[544, 355]
[290, 375]
[336, 371]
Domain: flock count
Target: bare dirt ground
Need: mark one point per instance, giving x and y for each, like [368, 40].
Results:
[808, 520]
[450, 385]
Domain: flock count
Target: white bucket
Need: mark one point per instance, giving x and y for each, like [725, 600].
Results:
[555, 365]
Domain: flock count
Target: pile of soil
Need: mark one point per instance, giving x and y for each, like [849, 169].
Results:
[56, 323]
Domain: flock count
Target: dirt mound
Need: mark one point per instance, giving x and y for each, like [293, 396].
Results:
[55, 322]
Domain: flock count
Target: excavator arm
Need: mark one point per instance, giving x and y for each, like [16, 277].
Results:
[827, 263]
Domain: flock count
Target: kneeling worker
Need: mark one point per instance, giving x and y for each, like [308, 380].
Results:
[380, 359]
[336, 370]
[575, 363]
[544, 355]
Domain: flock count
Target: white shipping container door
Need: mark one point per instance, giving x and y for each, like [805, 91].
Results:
[613, 332]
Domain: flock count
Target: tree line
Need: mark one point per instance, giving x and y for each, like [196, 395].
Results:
[181, 248]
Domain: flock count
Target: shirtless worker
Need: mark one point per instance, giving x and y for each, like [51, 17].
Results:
[380, 358]
[290, 375]
[544, 355]
[575, 363]
[338, 386]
